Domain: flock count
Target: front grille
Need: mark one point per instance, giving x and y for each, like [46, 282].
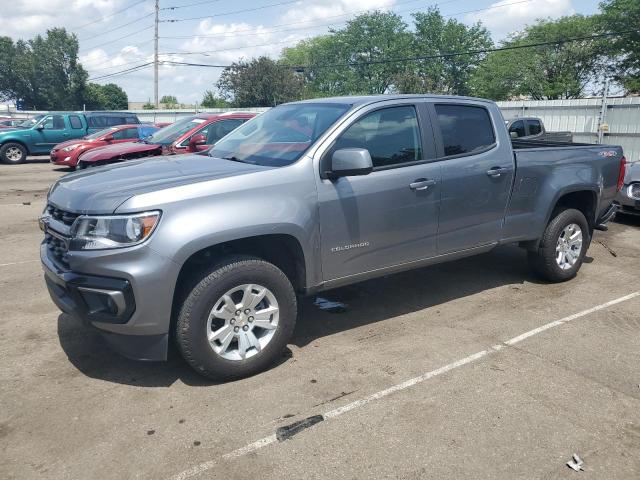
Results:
[634, 191]
[65, 217]
[57, 242]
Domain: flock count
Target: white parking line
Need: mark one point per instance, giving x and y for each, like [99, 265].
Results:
[18, 263]
[266, 441]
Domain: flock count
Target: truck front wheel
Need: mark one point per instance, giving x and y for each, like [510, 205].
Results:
[238, 319]
[13, 153]
[563, 246]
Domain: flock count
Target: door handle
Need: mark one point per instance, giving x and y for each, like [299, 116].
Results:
[495, 172]
[422, 184]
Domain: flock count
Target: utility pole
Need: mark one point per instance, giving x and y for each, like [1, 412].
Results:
[602, 118]
[155, 58]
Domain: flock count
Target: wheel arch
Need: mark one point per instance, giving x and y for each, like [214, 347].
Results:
[282, 250]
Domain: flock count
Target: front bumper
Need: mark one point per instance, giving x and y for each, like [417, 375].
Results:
[126, 295]
[627, 203]
[60, 157]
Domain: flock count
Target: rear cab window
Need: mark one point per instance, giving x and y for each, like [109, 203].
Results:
[465, 129]
[535, 127]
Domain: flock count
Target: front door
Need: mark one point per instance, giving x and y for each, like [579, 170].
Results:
[477, 173]
[389, 216]
[53, 132]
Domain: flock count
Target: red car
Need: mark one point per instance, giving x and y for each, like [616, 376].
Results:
[188, 135]
[67, 153]
[8, 122]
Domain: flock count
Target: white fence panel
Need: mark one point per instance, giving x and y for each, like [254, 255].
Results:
[581, 117]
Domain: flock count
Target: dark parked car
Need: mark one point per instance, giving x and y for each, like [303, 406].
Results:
[67, 153]
[629, 196]
[532, 128]
[188, 135]
[39, 135]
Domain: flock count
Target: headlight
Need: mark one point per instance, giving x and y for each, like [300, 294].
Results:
[114, 231]
[71, 147]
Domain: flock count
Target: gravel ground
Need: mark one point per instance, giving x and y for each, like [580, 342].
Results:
[73, 409]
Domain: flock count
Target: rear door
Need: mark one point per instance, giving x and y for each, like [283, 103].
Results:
[477, 173]
[390, 216]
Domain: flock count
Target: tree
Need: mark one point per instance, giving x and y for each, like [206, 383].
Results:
[43, 71]
[560, 70]
[261, 82]
[436, 37]
[148, 106]
[351, 60]
[169, 101]
[619, 16]
[105, 97]
[115, 97]
[210, 100]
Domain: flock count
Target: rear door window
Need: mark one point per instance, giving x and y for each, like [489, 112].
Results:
[465, 129]
[391, 135]
[96, 121]
[75, 122]
[535, 127]
[127, 133]
[114, 121]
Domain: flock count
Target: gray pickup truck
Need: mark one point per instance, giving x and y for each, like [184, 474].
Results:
[213, 250]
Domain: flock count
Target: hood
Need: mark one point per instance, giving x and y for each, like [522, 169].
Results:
[117, 149]
[14, 130]
[77, 141]
[103, 189]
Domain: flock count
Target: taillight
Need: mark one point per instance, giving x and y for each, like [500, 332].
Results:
[621, 174]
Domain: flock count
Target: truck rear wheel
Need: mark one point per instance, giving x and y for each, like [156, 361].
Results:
[13, 153]
[563, 246]
[238, 319]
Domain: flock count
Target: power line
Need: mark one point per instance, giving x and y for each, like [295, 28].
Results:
[107, 16]
[426, 57]
[346, 14]
[120, 38]
[122, 72]
[207, 52]
[117, 28]
[176, 7]
[289, 2]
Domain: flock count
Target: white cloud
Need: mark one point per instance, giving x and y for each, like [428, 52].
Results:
[316, 10]
[511, 18]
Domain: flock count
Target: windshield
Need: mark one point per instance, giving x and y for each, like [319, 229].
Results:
[279, 136]
[31, 121]
[170, 134]
[100, 133]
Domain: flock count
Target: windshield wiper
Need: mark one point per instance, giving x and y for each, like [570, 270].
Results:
[233, 159]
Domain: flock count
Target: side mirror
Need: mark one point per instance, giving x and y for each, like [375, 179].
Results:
[108, 138]
[350, 162]
[198, 139]
[513, 134]
[40, 127]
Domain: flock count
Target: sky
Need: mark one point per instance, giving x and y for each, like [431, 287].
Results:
[116, 35]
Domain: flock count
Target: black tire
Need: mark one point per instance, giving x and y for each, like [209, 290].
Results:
[543, 260]
[194, 312]
[7, 150]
